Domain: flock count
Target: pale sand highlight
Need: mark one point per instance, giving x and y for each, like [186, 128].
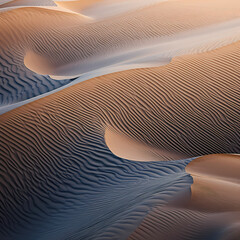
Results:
[216, 181]
[77, 6]
[125, 147]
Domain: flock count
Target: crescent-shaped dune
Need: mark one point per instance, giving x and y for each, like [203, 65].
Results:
[128, 148]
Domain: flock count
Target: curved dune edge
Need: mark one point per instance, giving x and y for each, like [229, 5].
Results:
[194, 101]
[212, 209]
[77, 5]
[76, 41]
[224, 167]
[126, 147]
[19, 83]
[38, 64]
[216, 183]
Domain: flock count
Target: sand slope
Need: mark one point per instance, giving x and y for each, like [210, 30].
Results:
[212, 211]
[91, 161]
[67, 46]
[57, 144]
[216, 174]
[17, 82]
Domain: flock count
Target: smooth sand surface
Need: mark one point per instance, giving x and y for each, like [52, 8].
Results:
[128, 148]
[77, 6]
[220, 167]
[216, 181]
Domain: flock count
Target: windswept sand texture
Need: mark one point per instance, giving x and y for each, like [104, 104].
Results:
[212, 211]
[118, 147]
[66, 42]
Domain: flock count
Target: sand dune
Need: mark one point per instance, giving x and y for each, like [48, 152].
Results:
[213, 210]
[69, 50]
[17, 82]
[190, 107]
[118, 43]
[215, 174]
[123, 155]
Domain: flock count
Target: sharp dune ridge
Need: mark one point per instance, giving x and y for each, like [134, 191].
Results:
[126, 123]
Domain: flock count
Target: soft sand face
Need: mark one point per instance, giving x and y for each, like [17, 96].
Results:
[220, 167]
[213, 204]
[216, 181]
[125, 147]
[77, 6]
